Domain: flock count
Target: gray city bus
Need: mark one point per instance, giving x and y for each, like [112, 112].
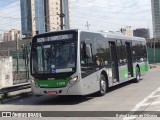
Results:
[74, 62]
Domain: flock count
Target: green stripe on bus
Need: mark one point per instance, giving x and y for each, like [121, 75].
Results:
[124, 74]
[143, 68]
[134, 71]
[56, 83]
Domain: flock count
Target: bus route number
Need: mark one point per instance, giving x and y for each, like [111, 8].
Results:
[61, 83]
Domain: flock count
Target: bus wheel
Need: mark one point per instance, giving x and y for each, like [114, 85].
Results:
[138, 75]
[103, 86]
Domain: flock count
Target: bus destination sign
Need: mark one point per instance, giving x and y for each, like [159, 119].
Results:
[55, 38]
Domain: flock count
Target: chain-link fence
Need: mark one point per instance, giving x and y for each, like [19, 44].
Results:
[153, 48]
[154, 55]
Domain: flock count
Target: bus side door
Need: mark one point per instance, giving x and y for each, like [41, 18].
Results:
[114, 62]
[129, 59]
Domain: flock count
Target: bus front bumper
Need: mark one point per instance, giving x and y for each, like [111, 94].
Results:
[68, 90]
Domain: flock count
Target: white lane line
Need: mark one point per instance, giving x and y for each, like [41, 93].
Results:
[156, 96]
[158, 89]
[143, 103]
[155, 103]
[145, 99]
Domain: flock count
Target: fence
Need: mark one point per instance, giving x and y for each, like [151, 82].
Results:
[20, 63]
[153, 55]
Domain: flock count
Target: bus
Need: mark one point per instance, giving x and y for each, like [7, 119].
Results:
[75, 62]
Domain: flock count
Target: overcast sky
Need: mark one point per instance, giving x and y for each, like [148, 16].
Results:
[107, 15]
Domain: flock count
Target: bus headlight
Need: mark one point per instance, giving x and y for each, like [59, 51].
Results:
[73, 80]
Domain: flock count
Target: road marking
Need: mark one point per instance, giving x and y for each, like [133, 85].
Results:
[144, 103]
[156, 96]
[144, 100]
[155, 103]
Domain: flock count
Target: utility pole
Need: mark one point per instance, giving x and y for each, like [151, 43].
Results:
[87, 25]
[62, 15]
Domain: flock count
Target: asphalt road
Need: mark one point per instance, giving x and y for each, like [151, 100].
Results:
[120, 98]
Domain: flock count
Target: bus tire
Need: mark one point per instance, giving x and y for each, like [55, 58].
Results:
[103, 86]
[138, 75]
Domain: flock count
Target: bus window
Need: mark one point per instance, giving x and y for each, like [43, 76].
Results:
[121, 52]
[102, 57]
[86, 54]
[144, 50]
[89, 53]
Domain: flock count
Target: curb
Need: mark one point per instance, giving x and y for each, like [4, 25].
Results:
[152, 66]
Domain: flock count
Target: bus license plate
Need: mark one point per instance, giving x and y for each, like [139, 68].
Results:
[52, 92]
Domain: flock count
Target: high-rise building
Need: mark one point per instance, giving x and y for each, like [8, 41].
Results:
[52, 11]
[141, 32]
[66, 11]
[39, 16]
[27, 17]
[156, 17]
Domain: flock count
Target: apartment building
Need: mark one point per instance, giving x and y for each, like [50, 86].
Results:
[39, 16]
[156, 17]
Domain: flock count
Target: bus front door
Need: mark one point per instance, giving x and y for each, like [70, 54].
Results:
[129, 59]
[114, 62]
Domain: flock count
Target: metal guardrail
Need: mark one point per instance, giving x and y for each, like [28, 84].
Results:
[14, 88]
[5, 90]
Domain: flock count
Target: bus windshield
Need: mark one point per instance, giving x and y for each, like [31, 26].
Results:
[54, 57]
